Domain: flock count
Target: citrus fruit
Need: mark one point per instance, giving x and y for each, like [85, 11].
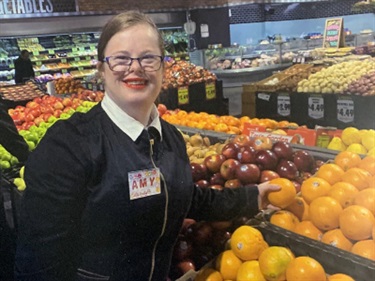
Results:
[350, 135]
[305, 268]
[283, 197]
[227, 263]
[347, 159]
[250, 270]
[357, 148]
[336, 238]
[340, 277]
[356, 222]
[208, 274]
[324, 213]
[371, 152]
[246, 243]
[358, 177]
[366, 198]
[343, 192]
[373, 232]
[368, 139]
[284, 219]
[314, 187]
[274, 261]
[365, 248]
[368, 164]
[299, 208]
[308, 229]
[336, 144]
[330, 172]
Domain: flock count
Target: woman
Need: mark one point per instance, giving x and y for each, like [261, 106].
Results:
[107, 191]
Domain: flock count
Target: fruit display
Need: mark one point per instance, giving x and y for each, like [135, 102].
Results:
[67, 85]
[364, 86]
[24, 92]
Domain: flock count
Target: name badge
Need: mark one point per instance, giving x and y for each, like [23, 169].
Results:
[144, 183]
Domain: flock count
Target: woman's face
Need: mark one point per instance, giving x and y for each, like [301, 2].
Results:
[134, 88]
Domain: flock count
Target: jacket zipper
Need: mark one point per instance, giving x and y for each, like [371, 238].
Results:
[165, 212]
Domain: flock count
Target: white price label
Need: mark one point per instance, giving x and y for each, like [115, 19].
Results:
[283, 105]
[265, 97]
[345, 110]
[316, 107]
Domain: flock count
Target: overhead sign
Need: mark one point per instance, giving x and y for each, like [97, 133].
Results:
[334, 33]
[19, 7]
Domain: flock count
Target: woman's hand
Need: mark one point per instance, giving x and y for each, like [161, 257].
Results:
[264, 188]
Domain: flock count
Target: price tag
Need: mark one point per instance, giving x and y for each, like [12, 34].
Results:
[9, 77]
[51, 52]
[80, 68]
[210, 91]
[88, 58]
[64, 70]
[38, 63]
[11, 65]
[74, 50]
[92, 47]
[316, 107]
[81, 48]
[265, 97]
[89, 86]
[283, 105]
[177, 58]
[37, 73]
[345, 110]
[63, 60]
[36, 53]
[183, 95]
[77, 58]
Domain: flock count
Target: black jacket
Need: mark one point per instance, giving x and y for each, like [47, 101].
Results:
[77, 221]
[23, 70]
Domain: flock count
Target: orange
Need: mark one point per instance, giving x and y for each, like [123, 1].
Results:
[274, 261]
[247, 243]
[305, 268]
[324, 213]
[330, 172]
[347, 160]
[284, 219]
[308, 229]
[356, 222]
[227, 263]
[283, 197]
[366, 198]
[299, 208]
[314, 187]
[365, 248]
[208, 274]
[337, 239]
[358, 177]
[250, 270]
[340, 277]
[368, 164]
[343, 192]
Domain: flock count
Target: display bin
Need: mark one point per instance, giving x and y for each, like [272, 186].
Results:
[275, 105]
[197, 98]
[333, 260]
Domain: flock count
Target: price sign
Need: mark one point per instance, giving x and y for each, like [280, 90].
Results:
[80, 68]
[77, 58]
[283, 105]
[345, 110]
[333, 33]
[51, 52]
[63, 60]
[9, 77]
[88, 58]
[64, 70]
[38, 63]
[36, 53]
[92, 47]
[74, 50]
[89, 86]
[210, 91]
[11, 65]
[37, 73]
[81, 48]
[316, 107]
[183, 95]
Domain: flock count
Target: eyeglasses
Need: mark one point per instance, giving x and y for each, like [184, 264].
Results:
[122, 63]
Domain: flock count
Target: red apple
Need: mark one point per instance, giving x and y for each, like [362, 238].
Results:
[266, 159]
[283, 150]
[46, 116]
[201, 233]
[162, 109]
[261, 143]
[202, 183]
[246, 155]
[230, 150]
[199, 171]
[304, 160]
[233, 183]
[37, 100]
[297, 185]
[32, 104]
[67, 102]
[29, 117]
[58, 105]
[38, 120]
[220, 238]
[217, 186]
[57, 113]
[287, 169]
[268, 175]
[242, 140]
[303, 176]
[228, 169]
[213, 162]
[248, 173]
[184, 266]
[186, 224]
[217, 178]
[183, 249]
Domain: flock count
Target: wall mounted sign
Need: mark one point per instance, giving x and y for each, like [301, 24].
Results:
[19, 7]
[333, 33]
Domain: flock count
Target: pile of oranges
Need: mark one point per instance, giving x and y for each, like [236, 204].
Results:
[336, 205]
[224, 124]
[251, 258]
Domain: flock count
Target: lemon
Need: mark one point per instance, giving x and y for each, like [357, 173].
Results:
[357, 148]
[336, 144]
[368, 139]
[351, 135]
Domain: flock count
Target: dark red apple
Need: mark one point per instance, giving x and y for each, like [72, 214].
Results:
[186, 224]
[230, 150]
[287, 169]
[183, 249]
[201, 233]
[213, 162]
[228, 168]
[199, 171]
[283, 150]
[297, 185]
[248, 173]
[202, 183]
[242, 140]
[221, 225]
[219, 239]
[233, 183]
[304, 160]
[217, 186]
[303, 176]
[184, 266]
[266, 159]
[246, 155]
[217, 178]
[268, 175]
[261, 143]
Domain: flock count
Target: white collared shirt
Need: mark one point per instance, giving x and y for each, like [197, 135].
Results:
[126, 123]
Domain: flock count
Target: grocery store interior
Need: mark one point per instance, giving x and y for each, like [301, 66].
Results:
[240, 73]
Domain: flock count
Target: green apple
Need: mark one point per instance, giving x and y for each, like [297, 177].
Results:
[20, 183]
[52, 119]
[4, 164]
[22, 172]
[31, 136]
[23, 132]
[43, 125]
[81, 109]
[31, 145]
[6, 156]
[13, 160]
[33, 128]
[64, 116]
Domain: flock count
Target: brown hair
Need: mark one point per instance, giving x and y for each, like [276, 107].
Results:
[121, 22]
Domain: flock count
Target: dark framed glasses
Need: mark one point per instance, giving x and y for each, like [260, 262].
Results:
[121, 63]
